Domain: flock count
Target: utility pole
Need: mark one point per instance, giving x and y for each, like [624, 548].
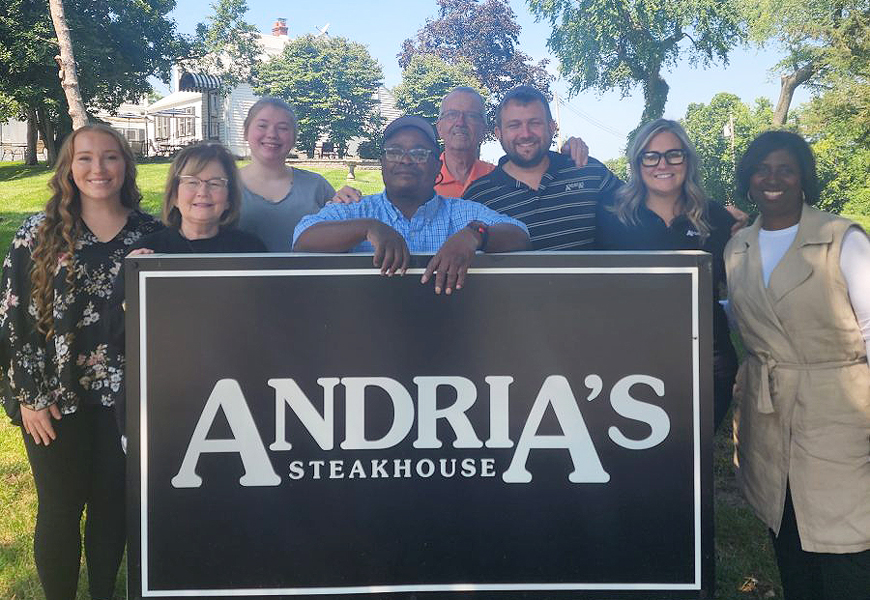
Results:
[558, 120]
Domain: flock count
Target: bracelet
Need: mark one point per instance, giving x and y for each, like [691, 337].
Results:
[483, 230]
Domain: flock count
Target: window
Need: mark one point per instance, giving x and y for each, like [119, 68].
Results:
[185, 124]
[162, 126]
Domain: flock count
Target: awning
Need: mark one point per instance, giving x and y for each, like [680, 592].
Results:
[198, 82]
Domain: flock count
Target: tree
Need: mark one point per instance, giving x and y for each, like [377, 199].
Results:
[122, 43]
[226, 46]
[66, 62]
[816, 36]
[331, 83]
[706, 123]
[484, 33]
[617, 44]
[427, 79]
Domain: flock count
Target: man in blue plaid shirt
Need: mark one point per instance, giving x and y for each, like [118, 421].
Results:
[408, 216]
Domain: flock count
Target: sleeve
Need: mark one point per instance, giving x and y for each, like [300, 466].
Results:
[23, 347]
[331, 212]
[479, 212]
[609, 184]
[855, 266]
[325, 193]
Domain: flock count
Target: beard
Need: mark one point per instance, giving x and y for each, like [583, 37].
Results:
[529, 161]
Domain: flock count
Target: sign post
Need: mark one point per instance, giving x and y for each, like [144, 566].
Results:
[303, 426]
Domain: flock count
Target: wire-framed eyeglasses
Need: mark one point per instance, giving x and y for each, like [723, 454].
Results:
[651, 158]
[192, 182]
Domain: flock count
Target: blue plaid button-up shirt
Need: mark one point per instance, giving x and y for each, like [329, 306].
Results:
[425, 232]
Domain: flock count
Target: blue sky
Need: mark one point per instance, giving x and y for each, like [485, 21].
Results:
[601, 120]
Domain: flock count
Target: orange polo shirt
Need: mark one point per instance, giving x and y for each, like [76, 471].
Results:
[451, 188]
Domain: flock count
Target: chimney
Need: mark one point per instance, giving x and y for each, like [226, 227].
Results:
[280, 27]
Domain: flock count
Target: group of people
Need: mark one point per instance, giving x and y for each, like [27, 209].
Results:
[798, 283]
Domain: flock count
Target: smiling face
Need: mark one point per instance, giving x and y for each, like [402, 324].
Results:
[664, 179]
[461, 124]
[271, 135]
[525, 132]
[202, 203]
[406, 178]
[97, 167]
[775, 187]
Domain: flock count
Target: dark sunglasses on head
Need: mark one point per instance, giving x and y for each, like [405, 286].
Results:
[396, 154]
[651, 158]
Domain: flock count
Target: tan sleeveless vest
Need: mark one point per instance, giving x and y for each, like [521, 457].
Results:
[803, 391]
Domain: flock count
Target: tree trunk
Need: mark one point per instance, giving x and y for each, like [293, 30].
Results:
[655, 96]
[47, 131]
[788, 84]
[32, 136]
[66, 62]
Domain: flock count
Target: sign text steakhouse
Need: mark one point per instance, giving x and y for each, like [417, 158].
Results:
[555, 393]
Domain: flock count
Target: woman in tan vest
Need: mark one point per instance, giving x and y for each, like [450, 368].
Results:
[799, 289]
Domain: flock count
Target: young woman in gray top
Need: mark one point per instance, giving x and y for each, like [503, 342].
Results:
[275, 196]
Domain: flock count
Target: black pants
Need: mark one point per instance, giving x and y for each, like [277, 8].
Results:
[816, 575]
[83, 466]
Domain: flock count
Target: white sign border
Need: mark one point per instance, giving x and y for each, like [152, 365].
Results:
[144, 276]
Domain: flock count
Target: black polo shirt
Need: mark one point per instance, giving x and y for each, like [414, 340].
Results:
[561, 213]
[651, 233]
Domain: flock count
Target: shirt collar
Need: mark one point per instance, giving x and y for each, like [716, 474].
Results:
[425, 211]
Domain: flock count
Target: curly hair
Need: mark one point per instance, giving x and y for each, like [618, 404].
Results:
[190, 161]
[630, 196]
[62, 226]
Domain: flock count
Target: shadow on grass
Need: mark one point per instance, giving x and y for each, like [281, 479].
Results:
[13, 171]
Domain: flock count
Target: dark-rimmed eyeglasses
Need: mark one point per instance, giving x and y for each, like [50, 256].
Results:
[651, 158]
[192, 182]
[453, 115]
[417, 155]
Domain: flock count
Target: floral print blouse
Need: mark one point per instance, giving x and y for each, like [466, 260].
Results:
[74, 366]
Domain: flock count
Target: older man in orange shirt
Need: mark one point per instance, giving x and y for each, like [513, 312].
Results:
[462, 126]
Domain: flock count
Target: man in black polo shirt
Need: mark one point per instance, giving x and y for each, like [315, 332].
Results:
[545, 190]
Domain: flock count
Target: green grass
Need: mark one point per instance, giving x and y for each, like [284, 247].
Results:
[745, 566]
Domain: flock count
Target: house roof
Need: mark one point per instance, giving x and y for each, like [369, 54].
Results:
[173, 100]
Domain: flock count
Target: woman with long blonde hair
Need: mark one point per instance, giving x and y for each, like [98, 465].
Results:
[56, 279]
[664, 207]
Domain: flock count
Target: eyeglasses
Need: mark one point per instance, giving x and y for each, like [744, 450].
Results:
[651, 158]
[192, 183]
[453, 115]
[396, 154]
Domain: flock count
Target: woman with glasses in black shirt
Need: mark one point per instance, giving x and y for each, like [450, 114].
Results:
[664, 207]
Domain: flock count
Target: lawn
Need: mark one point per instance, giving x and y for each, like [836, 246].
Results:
[744, 560]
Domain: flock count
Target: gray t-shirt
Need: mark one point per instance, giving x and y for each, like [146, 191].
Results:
[274, 222]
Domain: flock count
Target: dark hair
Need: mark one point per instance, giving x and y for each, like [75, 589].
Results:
[523, 94]
[771, 141]
[194, 159]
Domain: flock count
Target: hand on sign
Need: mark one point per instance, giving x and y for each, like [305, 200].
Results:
[140, 252]
[451, 262]
[347, 195]
[391, 251]
[38, 423]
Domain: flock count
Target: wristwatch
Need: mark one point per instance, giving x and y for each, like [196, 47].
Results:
[483, 230]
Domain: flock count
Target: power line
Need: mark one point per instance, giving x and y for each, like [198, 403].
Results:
[593, 121]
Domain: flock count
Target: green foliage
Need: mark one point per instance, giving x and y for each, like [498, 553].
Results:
[227, 46]
[9, 108]
[706, 123]
[329, 81]
[484, 33]
[427, 79]
[618, 166]
[618, 44]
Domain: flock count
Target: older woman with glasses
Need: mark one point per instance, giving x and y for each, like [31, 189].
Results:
[663, 207]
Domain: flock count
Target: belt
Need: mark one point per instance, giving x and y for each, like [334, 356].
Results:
[769, 365]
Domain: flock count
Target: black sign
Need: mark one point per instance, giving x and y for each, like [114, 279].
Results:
[302, 425]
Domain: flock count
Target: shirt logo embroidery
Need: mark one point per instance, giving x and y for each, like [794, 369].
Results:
[577, 185]
[692, 233]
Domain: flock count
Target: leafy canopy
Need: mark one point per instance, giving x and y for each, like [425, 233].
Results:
[427, 79]
[618, 44]
[330, 82]
[484, 33]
